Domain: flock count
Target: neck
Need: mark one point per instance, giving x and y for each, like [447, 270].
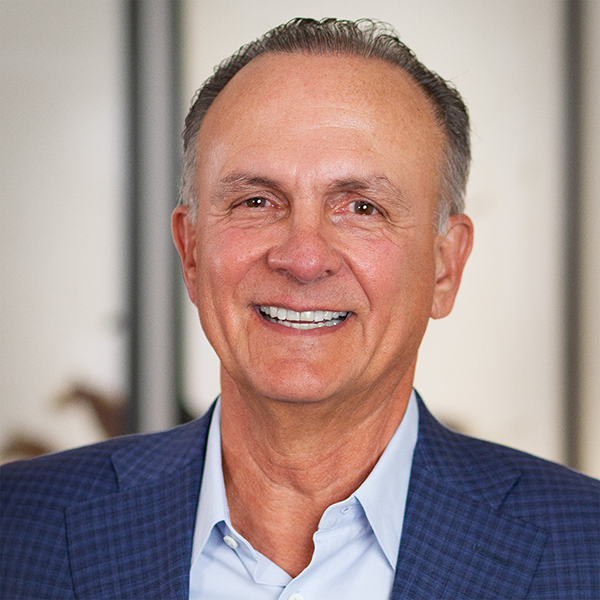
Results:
[285, 463]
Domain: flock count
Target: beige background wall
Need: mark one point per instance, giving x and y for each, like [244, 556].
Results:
[62, 161]
[493, 368]
[590, 350]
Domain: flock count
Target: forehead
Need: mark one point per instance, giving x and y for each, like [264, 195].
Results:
[314, 103]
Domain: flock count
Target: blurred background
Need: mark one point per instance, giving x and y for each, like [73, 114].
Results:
[97, 337]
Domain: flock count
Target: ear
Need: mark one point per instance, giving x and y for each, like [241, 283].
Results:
[452, 251]
[184, 235]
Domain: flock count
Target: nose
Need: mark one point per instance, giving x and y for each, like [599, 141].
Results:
[304, 249]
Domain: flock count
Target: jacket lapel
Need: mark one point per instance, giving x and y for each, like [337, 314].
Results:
[137, 543]
[455, 543]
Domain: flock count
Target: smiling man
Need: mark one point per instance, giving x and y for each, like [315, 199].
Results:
[313, 228]
[320, 228]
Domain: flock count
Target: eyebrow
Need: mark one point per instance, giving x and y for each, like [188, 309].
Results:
[376, 186]
[237, 180]
[377, 183]
[237, 183]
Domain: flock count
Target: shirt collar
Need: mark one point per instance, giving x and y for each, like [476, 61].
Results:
[212, 503]
[382, 495]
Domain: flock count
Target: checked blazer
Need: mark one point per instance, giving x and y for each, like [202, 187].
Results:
[116, 520]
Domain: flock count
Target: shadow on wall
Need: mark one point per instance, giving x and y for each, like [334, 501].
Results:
[107, 410]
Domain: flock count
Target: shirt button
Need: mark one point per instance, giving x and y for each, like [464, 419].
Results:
[345, 510]
[296, 597]
[230, 541]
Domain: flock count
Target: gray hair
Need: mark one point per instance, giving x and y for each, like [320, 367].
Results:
[364, 38]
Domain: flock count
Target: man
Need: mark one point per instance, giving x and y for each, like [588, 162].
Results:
[321, 227]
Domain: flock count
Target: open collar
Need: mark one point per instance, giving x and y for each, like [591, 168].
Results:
[383, 494]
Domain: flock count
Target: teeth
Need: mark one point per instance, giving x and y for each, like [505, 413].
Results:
[307, 319]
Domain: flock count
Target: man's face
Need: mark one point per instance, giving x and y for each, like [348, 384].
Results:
[317, 185]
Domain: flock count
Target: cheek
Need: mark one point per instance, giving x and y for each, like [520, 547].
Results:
[397, 276]
[225, 256]
[220, 271]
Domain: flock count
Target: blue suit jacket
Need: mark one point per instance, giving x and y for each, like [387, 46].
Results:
[116, 520]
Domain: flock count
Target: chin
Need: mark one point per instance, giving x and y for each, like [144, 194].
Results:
[296, 390]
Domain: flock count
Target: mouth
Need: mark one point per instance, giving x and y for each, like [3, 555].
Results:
[308, 319]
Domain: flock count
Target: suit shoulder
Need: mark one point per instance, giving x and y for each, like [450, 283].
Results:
[565, 506]
[515, 483]
[539, 473]
[75, 475]
[67, 476]
[37, 496]
[553, 495]
[535, 472]
[520, 505]
[462, 457]
[559, 500]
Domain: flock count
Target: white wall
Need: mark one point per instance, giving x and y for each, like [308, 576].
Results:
[590, 350]
[494, 366]
[62, 237]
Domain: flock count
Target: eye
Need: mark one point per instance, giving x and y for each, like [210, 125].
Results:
[257, 202]
[361, 207]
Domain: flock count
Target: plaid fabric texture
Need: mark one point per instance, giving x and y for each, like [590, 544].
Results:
[112, 520]
[115, 520]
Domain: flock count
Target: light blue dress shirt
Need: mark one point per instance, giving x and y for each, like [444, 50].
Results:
[356, 544]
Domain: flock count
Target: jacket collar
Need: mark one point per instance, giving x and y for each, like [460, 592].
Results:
[137, 543]
[456, 542]
[156, 455]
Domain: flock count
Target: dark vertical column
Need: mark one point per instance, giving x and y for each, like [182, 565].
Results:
[573, 11]
[154, 179]
[179, 292]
